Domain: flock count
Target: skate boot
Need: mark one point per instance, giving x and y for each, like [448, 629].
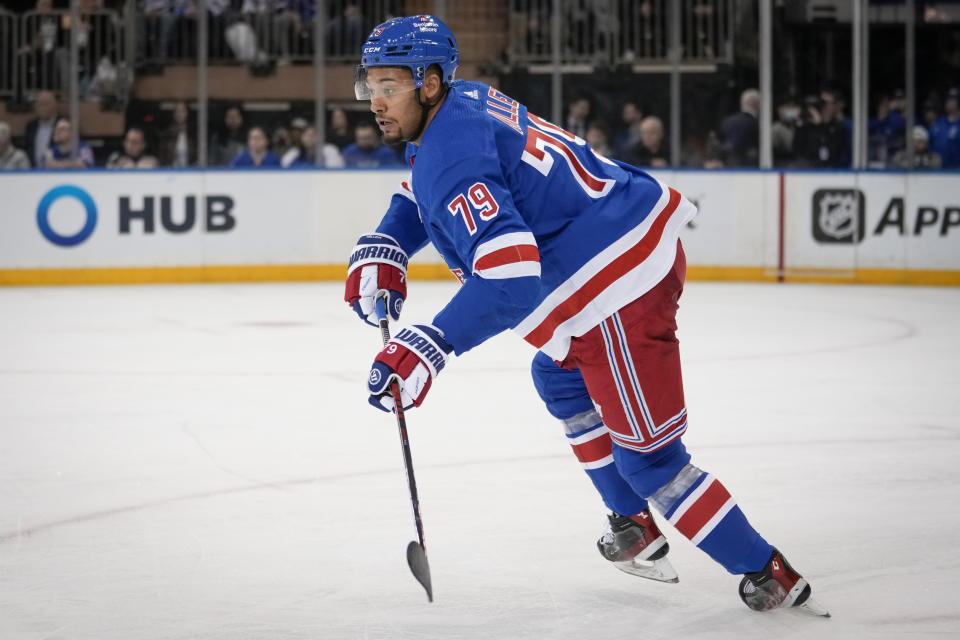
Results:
[635, 545]
[778, 585]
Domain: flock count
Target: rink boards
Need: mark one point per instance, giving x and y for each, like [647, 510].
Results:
[191, 226]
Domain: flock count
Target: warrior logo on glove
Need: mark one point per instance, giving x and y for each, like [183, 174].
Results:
[377, 264]
[413, 358]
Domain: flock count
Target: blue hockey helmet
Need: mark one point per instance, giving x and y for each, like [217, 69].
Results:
[414, 42]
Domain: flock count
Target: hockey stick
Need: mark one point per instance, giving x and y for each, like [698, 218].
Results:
[416, 551]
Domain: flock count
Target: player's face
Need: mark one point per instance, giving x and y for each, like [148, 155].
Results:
[393, 102]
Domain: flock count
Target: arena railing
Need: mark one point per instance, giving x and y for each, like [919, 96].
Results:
[9, 44]
[43, 61]
[257, 33]
[612, 33]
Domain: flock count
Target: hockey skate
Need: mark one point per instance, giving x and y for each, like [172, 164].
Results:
[776, 586]
[635, 545]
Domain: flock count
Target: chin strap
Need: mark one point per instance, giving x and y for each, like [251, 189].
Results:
[425, 110]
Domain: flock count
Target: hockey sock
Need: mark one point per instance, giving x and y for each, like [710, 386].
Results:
[590, 440]
[701, 508]
[565, 395]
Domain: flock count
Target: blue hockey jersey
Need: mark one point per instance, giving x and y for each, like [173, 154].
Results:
[547, 236]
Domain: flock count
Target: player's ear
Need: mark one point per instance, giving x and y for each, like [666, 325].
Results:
[432, 83]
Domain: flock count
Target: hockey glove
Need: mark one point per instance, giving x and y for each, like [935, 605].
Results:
[377, 263]
[413, 358]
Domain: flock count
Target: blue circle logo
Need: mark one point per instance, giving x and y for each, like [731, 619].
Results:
[43, 215]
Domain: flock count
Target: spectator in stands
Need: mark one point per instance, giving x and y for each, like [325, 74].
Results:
[155, 21]
[281, 27]
[835, 130]
[93, 39]
[923, 157]
[346, 30]
[58, 155]
[530, 25]
[297, 127]
[577, 113]
[260, 15]
[782, 131]
[650, 151]
[10, 156]
[713, 152]
[134, 154]
[294, 23]
[627, 135]
[580, 19]
[304, 154]
[217, 14]
[640, 24]
[898, 106]
[598, 139]
[834, 107]
[885, 131]
[819, 141]
[38, 55]
[338, 132]
[257, 154]
[741, 132]
[178, 142]
[367, 151]
[280, 140]
[945, 132]
[40, 130]
[930, 113]
[228, 141]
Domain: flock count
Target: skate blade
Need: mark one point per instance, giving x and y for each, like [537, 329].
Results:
[813, 607]
[660, 570]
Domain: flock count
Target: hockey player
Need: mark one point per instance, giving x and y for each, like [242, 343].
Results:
[580, 256]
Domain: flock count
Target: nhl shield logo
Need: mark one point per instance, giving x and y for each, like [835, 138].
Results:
[377, 32]
[838, 216]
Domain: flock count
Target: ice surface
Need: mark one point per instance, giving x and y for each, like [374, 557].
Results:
[199, 462]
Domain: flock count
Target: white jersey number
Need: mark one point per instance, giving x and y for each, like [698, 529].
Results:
[542, 136]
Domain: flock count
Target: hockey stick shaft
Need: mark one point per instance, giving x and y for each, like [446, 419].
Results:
[416, 553]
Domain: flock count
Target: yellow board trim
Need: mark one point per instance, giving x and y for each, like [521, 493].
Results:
[336, 272]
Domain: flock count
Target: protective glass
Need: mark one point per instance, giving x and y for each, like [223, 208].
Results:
[383, 89]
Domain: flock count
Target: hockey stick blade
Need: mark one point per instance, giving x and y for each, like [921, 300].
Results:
[417, 559]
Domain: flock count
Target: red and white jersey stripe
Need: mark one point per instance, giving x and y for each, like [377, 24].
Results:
[510, 255]
[617, 275]
[644, 434]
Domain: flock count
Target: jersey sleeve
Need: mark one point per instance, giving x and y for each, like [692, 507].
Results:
[473, 209]
[402, 221]
[482, 308]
